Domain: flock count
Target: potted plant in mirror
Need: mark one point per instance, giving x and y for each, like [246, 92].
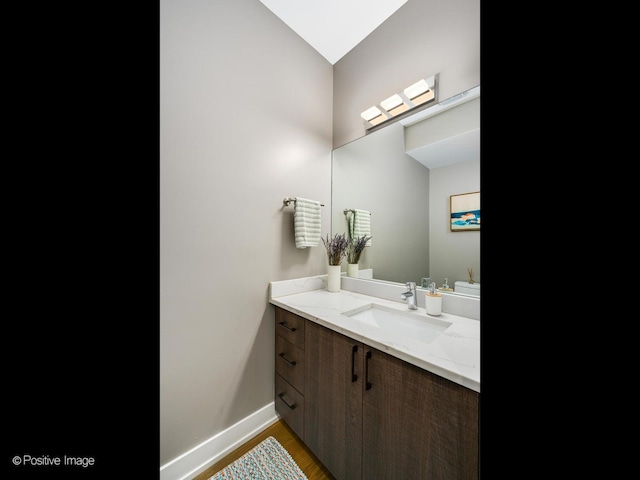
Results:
[354, 250]
[336, 251]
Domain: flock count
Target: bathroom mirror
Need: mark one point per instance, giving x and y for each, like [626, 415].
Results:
[404, 175]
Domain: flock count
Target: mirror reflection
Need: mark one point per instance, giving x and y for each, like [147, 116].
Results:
[404, 176]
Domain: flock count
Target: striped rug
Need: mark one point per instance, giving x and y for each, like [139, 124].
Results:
[266, 461]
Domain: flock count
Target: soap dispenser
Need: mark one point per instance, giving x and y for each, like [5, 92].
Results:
[433, 301]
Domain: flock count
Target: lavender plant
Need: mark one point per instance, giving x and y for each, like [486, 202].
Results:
[355, 248]
[336, 248]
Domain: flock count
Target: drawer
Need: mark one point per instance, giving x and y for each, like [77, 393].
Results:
[290, 326]
[290, 405]
[290, 363]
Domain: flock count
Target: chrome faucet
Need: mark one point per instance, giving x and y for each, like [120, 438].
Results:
[410, 295]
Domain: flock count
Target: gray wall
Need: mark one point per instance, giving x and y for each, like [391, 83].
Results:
[423, 38]
[246, 119]
[451, 253]
[239, 131]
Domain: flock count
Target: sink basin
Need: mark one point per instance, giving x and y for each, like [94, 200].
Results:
[417, 326]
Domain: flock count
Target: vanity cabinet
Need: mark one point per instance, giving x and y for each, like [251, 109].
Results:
[369, 415]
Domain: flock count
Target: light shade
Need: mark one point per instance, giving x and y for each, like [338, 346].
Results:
[391, 102]
[416, 89]
[419, 92]
[394, 105]
[371, 113]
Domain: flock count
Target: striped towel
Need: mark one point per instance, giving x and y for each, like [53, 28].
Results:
[306, 222]
[360, 225]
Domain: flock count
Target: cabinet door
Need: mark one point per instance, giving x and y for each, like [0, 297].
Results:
[333, 400]
[417, 425]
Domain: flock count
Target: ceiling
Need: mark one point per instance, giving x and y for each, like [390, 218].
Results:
[333, 27]
[458, 148]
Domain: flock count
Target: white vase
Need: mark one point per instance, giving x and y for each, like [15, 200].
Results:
[352, 270]
[333, 278]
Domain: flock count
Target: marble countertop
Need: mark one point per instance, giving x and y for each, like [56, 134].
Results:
[454, 354]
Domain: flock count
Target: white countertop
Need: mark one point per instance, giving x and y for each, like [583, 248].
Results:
[454, 354]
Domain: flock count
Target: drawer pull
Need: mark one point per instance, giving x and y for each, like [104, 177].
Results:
[354, 377]
[291, 329]
[290, 405]
[366, 371]
[290, 362]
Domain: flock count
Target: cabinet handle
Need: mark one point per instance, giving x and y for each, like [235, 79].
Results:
[366, 371]
[354, 377]
[291, 329]
[290, 362]
[290, 405]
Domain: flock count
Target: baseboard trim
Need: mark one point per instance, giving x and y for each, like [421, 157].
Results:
[201, 457]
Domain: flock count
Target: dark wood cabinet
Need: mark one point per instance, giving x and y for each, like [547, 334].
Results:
[333, 410]
[417, 425]
[369, 415]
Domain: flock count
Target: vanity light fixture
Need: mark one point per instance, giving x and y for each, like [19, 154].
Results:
[420, 93]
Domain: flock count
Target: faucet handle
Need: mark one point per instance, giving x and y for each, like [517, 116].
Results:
[411, 285]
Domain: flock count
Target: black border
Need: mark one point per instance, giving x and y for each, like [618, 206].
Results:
[82, 239]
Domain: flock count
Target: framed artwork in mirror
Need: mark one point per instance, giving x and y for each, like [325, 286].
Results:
[465, 212]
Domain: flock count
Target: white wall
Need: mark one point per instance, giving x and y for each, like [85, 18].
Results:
[245, 120]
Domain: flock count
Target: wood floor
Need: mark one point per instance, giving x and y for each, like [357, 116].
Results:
[306, 460]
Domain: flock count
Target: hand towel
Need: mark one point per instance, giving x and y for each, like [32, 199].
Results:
[360, 225]
[306, 222]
